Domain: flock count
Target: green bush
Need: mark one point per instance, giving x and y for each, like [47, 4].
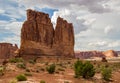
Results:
[32, 61]
[51, 68]
[86, 70]
[42, 81]
[1, 70]
[106, 74]
[21, 77]
[21, 65]
[27, 74]
[61, 69]
[78, 68]
[27, 70]
[15, 60]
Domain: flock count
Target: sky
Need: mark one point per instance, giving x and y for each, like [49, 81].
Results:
[96, 22]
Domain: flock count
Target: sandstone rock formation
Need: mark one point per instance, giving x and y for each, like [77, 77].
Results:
[38, 36]
[110, 53]
[7, 50]
[89, 54]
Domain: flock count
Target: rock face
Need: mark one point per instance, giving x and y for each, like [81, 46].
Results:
[7, 50]
[38, 36]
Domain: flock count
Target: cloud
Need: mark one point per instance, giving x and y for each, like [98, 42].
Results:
[108, 29]
[95, 6]
[1, 11]
[96, 22]
[14, 27]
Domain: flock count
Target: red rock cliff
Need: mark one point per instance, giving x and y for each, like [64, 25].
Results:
[39, 38]
[7, 50]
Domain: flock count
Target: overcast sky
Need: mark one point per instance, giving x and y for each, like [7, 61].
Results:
[96, 22]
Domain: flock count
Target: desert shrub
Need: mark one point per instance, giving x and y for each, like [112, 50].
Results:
[42, 81]
[27, 70]
[60, 64]
[51, 68]
[61, 69]
[1, 70]
[21, 65]
[86, 70]
[15, 60]
[21, 77]
[13, 81]
[78, 65]
[66, 81]
[57, 72]
[32, 61]
[27, 74]
[42, 69]
[106, 73]
[69, 62]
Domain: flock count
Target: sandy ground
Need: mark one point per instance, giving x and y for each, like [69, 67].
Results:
[62, 77]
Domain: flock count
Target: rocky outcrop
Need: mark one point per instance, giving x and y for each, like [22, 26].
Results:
[64, 37]
[7, 50]
[38, 36]
[110, 53]
[90, 54]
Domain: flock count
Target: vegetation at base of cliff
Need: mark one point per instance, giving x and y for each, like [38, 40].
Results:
[16, 60]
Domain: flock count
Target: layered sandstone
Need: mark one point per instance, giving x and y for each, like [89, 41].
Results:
[38, 36]
[7, 50]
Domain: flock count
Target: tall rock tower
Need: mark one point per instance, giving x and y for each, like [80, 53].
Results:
[38, 36]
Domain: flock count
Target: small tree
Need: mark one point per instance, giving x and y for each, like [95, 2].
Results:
[106, 74]
[78, 68]
[88, 70]
[85, 70]
[51, 69]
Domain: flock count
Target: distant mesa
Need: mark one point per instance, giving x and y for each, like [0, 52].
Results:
[90, 54]
[38, 36]
[110, 53]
